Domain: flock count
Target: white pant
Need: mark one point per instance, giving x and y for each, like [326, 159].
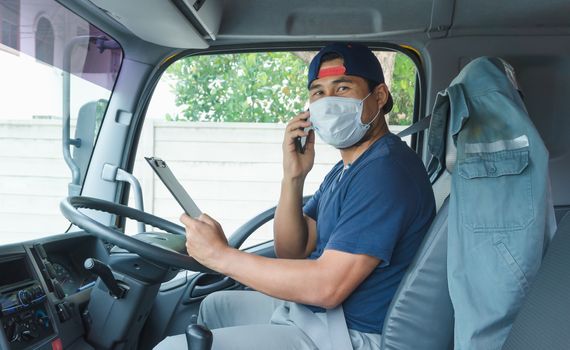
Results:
[247, 320]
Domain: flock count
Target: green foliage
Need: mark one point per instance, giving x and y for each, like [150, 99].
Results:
[403, 91]
[251, 87]
[263, 87]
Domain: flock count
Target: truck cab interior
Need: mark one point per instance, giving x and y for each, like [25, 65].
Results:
[92, 255]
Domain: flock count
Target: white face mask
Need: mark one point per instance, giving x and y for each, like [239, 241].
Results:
[337, 120]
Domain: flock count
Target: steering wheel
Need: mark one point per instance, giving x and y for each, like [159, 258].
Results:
[163, 249]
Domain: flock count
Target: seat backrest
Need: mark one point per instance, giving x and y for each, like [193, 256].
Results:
[543, 321]
[421, 314]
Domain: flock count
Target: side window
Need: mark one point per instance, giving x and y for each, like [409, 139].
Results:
[54, 89]
[218, 121]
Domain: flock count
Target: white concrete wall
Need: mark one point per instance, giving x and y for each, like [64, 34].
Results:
[233, 172]
[33, 179]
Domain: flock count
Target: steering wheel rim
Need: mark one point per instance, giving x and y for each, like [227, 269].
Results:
[70, 209]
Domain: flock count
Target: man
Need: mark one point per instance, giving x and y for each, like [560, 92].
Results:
[349, 245]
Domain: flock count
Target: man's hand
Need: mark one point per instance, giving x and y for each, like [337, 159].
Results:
[205, 240]
[297, 165]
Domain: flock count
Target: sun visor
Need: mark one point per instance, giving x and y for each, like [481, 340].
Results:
[177, 23]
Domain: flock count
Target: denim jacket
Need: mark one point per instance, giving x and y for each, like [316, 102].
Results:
[500, 216]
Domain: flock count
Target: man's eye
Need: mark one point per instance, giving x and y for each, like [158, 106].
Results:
[317, 93]
[343, 88]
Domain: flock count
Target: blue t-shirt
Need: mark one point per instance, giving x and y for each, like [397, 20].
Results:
[381, 206]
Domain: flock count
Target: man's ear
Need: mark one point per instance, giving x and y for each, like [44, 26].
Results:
[381, 94]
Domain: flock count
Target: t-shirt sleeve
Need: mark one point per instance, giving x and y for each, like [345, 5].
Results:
[374, 212]
[311, 206]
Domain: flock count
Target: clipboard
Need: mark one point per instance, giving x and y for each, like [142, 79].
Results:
[167, 177]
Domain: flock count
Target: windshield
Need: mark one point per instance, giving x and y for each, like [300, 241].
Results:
[218, 121]
[57, 70]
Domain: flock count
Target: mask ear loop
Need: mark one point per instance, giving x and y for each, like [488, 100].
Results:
[364, 99]
[367, 125]
[373, 119]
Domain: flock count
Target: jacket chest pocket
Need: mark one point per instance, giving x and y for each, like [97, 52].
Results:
[494, 190]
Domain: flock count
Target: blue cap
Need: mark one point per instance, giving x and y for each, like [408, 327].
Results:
[358, 60]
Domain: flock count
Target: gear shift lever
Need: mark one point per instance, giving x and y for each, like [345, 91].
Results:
[198, 337]
[104, 272]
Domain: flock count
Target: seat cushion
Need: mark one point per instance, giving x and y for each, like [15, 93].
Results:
[544, 319]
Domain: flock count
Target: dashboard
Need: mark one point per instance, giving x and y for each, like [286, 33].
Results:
[44, 290]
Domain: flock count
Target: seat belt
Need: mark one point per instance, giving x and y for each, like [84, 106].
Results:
[327, 334]
[338, 330]
[418, 126]
[432, 166]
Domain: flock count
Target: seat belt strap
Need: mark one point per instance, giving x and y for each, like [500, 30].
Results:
[327, 334]
[418, 126]
[338, 330]
[311, 325]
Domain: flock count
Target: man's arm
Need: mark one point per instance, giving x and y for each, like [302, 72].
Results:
[325, 282]
[294, 233]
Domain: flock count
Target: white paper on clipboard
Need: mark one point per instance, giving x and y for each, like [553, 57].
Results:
[165, 175]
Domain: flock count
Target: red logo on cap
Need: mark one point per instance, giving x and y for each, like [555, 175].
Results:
[329, 71]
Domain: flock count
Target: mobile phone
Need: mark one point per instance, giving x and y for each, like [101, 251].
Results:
[167, 177]
[301, 142]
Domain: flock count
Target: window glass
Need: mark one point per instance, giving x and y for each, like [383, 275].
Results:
[218, 121]
[40, 52]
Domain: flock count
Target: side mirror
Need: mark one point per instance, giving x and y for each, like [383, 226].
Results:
[88, 122]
